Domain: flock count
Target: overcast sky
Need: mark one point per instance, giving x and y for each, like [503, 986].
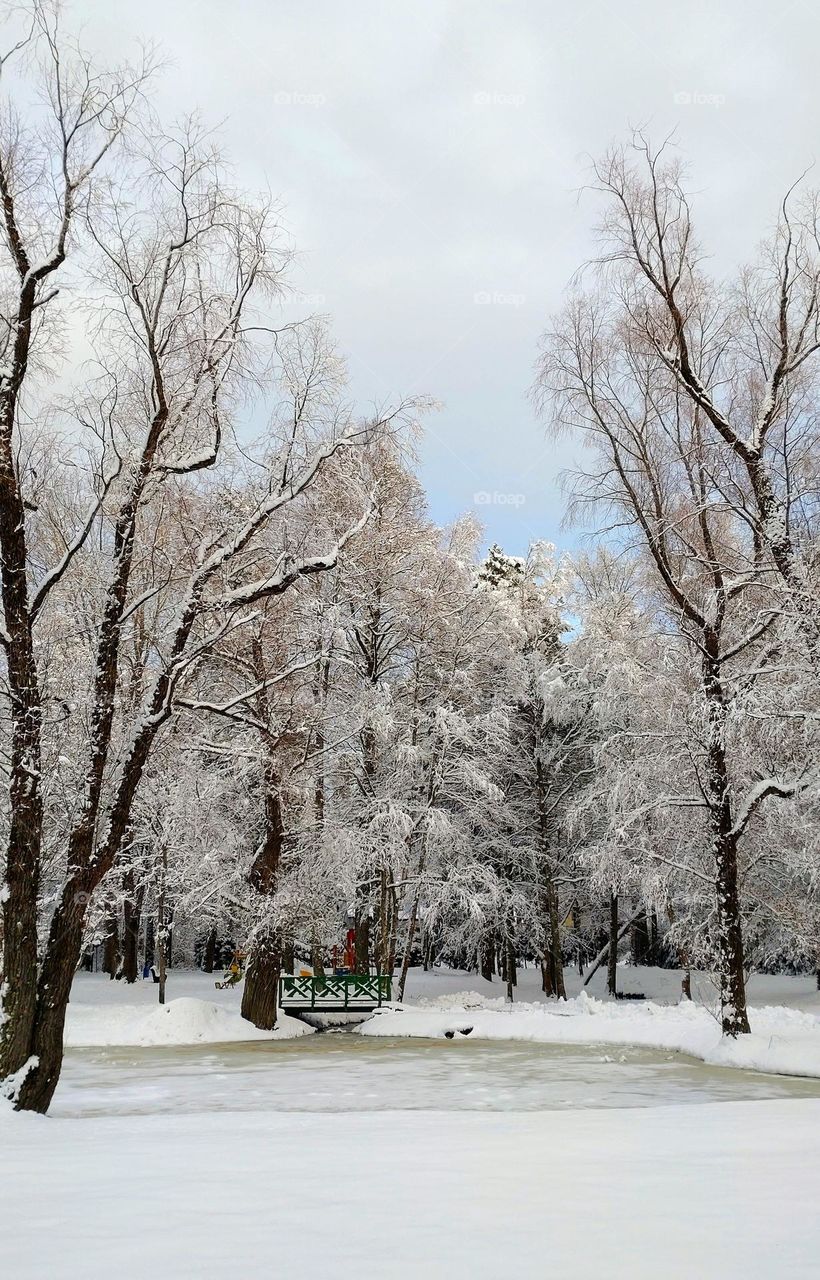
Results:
[430, 155]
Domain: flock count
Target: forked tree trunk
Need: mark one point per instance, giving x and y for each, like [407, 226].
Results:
[57, 974]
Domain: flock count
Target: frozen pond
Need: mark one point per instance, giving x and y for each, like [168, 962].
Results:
[345, 1073]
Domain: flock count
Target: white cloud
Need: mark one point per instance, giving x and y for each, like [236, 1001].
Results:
[432, 151]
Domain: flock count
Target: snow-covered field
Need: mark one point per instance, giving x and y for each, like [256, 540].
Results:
[311, 1158]
[719, 1192]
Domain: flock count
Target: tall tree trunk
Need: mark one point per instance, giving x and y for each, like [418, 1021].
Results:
[384, 923]
[317, 961]
[576, 916]
[640, 940]
[510, 974]
[132, 911]
[734, 1014]
[393, 940]
[111, 942]
[653, 951]
[209, 951]
[261, 990]
[683, 961]
[162, 924]
[408, 946]
[161, 938]
[486, 957]
[730, 960]
[612, 959]
[54, 987]
[362, 954]
[554, 957]
[25, 823]
[260, 994]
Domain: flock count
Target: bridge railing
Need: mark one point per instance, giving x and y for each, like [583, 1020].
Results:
[337, 991]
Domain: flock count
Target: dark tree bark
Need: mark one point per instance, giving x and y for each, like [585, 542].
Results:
[209, 951]
[408, 947]
[24, 842]
[612, 960]
[510, 969]
[132, 914]
[261, 991]
[393, 941]
[683, 961]
[163, 936]
[553, 959]
[111, 943]
[730, 958]
[317, 961]
[35, 1000]
[640, 941]
[654, 948]
[362, 954]
[260, 994]
[486, 958]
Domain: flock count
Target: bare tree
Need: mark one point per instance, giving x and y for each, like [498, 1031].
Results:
[745, 356]
[664, 479]
[172, 261]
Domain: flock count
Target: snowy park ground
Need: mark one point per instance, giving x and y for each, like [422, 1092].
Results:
[583, 1144]
[785, 1015]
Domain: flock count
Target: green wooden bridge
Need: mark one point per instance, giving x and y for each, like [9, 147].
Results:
[339, 993]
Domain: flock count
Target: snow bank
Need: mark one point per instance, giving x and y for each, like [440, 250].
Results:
[783, 1041]
[182, 1021]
